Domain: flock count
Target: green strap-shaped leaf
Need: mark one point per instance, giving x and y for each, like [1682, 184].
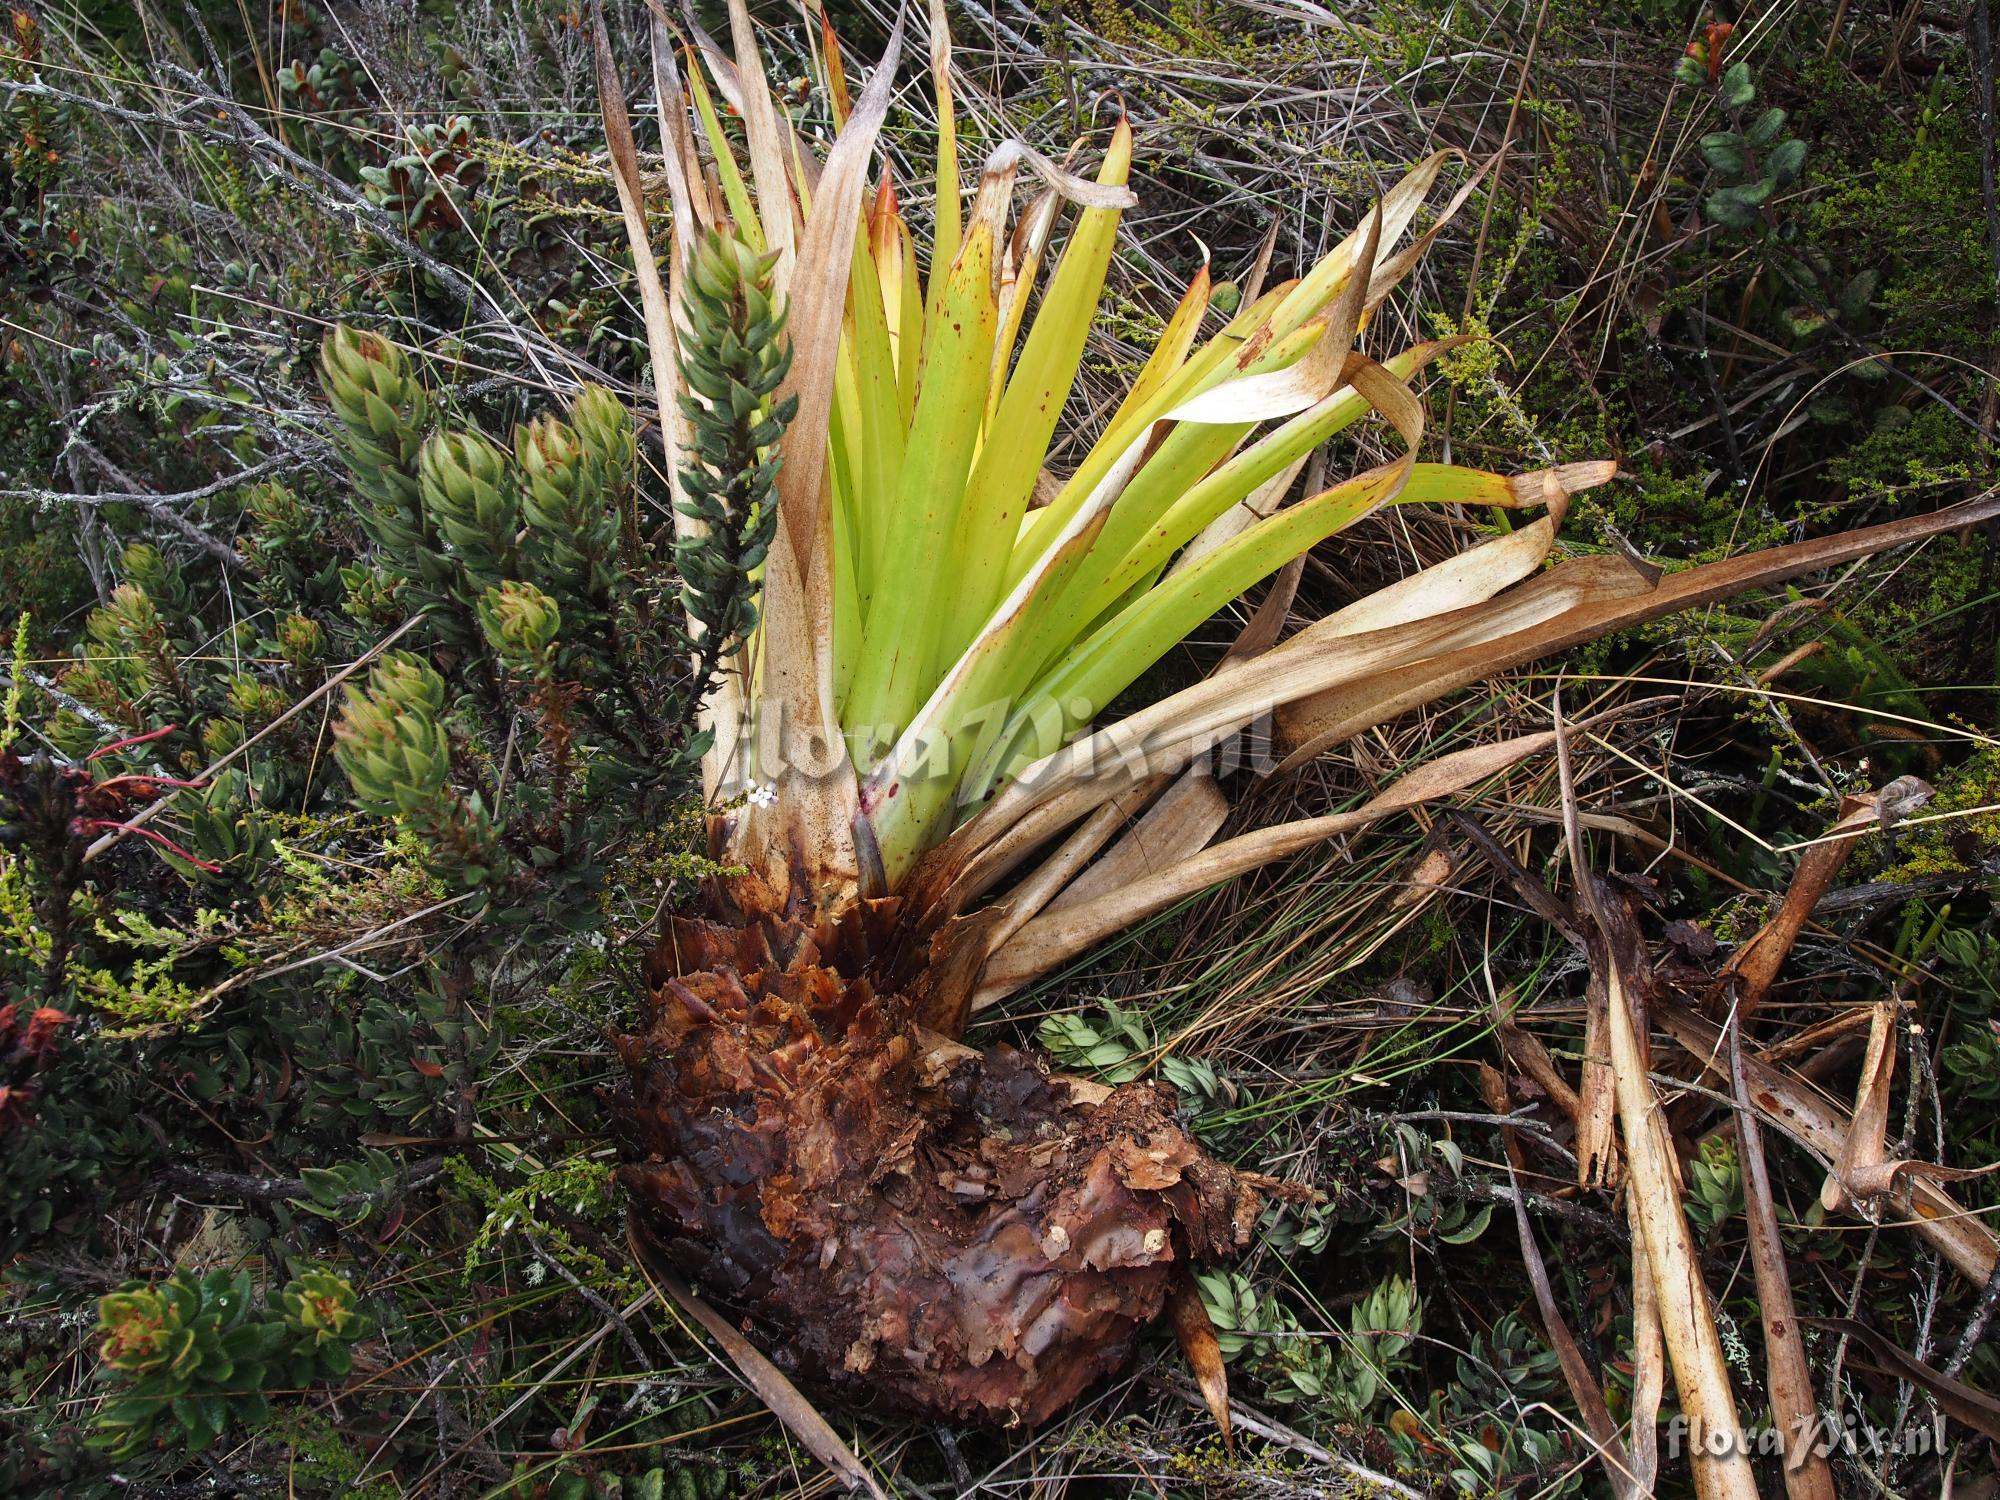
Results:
[904, 620]
[1004, 476]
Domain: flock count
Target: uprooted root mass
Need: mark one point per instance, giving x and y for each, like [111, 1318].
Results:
[910, 1223]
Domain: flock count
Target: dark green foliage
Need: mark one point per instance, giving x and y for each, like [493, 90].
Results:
[390, 916]
[230, 1037]
[1970, 961]
[430, 184]
[393, 748]
[527, 560]
[190, 1358]
[382, 825]
[1751, 162]
[392, 1062]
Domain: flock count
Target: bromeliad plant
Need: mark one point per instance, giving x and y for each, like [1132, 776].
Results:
[909, 761]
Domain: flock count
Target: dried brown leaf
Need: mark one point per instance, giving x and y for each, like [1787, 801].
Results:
[1653, 1204]
[1756, 964]
[1055, 937]
[1794, 1106]
[1583, 1386]
[1574, 602]
[1787, 1375]
[800, 1416]
[1866, 1144]
[1175, 828]
[1204, 1354]
[1649, 1367]
[1961, 1402]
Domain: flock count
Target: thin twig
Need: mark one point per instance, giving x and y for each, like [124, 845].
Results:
[1975, 1330]
[610, 1314]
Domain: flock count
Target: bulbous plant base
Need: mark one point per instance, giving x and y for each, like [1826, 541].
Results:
[908, 1223]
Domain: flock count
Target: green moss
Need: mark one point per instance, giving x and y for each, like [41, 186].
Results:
[321, 1461]
[577, 1190]
[1951, 846]
[1912, 212]
[1908, 452]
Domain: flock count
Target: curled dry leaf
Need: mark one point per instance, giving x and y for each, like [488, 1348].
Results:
[1864, 1173]
[1864, 1153]
[1788, 1102]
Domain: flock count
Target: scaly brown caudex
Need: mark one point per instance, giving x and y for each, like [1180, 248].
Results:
[919, 1225]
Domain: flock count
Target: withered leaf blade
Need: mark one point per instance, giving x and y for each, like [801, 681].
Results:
[1757, 963]
[1598, 596]
[1583, 1387]
[1866, 1145]
[1961, 1402]
[799, 1415]
[1649, 1367]
[1653, 1189]
[1204, 1354]
[1059, 935]
[1786, 1101]
[1794, 1408]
